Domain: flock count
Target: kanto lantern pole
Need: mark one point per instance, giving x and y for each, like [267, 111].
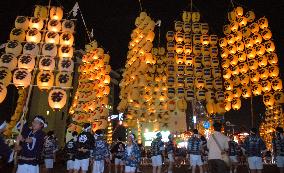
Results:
[251, 112]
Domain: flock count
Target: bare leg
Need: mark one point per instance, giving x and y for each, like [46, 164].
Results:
[259, 171]
[200, 169]
[193, 169]
[170, 168]
[154, 169]
[159, 169]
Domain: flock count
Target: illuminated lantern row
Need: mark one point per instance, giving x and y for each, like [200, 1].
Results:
[91, 98]
[41, 41]
[139, 71]
[273, 119]
[109, 132]
[249, 61]
[193, 67]
[18, 112]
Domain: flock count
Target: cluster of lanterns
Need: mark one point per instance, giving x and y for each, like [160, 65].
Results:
[192, 64]
[249, 61]
[139, 71]
[43, 40]
[273, 118]
[109, 132]
[91, 98]
[18, 112]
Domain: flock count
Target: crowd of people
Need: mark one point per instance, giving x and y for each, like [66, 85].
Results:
[88, 151]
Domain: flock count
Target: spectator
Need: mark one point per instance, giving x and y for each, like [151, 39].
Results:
[204, 154]
[118, 151]
[157, 150]
[254, 147]
[278, 148]
[170, 148]
[232, 152]
[132, 155]
[195, 150]
[215, 162]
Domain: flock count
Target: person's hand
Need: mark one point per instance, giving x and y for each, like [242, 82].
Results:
[18, 148]
[28, 140]
[107, 160]
[20, 138]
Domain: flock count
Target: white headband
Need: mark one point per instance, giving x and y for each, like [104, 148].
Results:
[131, 136]
[3, 125]
[88, 128]
[41, 120]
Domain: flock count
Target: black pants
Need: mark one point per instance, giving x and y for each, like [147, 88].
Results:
[217, 166]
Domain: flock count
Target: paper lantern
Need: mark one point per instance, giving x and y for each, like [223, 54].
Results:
[217, 83]
[236, 103]
[180, 92]
[196, 38]
[45, 80]
[187, 48]
[210, 96]
[204, 28]
[266, 86]
[256, 89]
[68, 26]
[225, 63]
[233, 59]
[269, 46]
[228, 95]
[179, 48]
[26, 62]
[41, 12]
[179, 36]
[181, 105]
[215, 62]
[206, 61]
[170, 46]
[240, 46]
[170, 35]
[205, 50]
[197, 49]
[214, 40]
[254, 76]
[242, 56]
[220, 96]
[225, 53]
[268, 99]
[106, 91]
[210, 108]
[235, 70]
[239, 11]
[66, 38]
[187, 37]
[47, 63]
[31, 49]
[198, 71]
[186, 16]
[279, 97]
[263, 22]
[266, 34]
[65, 51]
[200, 95]
[234, 26]
[244, 79]
[246, 92]
[188, 70]
[56, 13]
[180, 81]
[272, 58]
[106, 79]
[63, 79]
[22, 78]
[180, 69]
[18, 34]
[49, 49]
[54, 25]
[195, 17]
[231, 39]
[36, 23]
[5, 76]
[199, 83]
[273, 71]
[243, 67]
[237, 92]
[52, 37]
[242, 21]
[178, 26]
[216, 72]
[227, 106]
[223, 42]
[3, 92]
[57, 98]
[228, 84]
[227, 74]
[264, 73]
[246, 32]
[277, 84]
[188, 59]
[171, 92]
[209, 84]
[189, 95]
[22, 22]
[250, 15]
[13, 47]
[9, 61]
[188, 82]
[236, 80]
[253, 64]
[257, 38]
[251, 53]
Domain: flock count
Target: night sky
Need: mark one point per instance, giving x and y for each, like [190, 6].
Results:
[113, 21]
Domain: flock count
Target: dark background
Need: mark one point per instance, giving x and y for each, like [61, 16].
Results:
[113, 21]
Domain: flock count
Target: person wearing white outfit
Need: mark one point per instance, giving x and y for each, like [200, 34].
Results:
[70, 149]
[195, 150]
[118, 151]
[132, 155]
[157, 150]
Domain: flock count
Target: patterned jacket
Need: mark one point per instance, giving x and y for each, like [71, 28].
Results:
[85, 141]
[233, 148]
[254, 145]
[278, 145]
[118, 150]
[133, 158]
[194, 145]
[170, 147]
[100, 150]
[70, 149]
[49, 147]
[157, 147]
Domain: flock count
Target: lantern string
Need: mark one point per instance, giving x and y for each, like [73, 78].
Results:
[140, 4]
[86, 28]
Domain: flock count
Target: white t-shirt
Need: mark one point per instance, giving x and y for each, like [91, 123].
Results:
[129, 149]
[214, 151]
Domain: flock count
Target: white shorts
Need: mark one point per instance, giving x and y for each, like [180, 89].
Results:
[171, 157]
[280, 161]
[195, 160]
[48, 163]
[70, 165]
[25, 168]
[233, 159]
[129, 169]
[118, 161]
[98, 166]
[255, 162]
[157, 160]
[83, 164]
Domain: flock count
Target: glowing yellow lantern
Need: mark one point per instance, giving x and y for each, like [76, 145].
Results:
[188, 82]
[242, 56]
[273, 71]
[22, 22]
[243, 67]
[52, 37]
[205, 50]
[56, 13]
[68, 26]
[260, 49]
[264, 73]
[45, 80]
[178, 26]
[26, 62]
[40, 12]
[236, 80]
[256, 89]
[225, 63]
[218, 83]
[170, 46]
[106, 79]
[246, 32]
[237, 92]
[210, 108]
[187, 48]
[186, 16]
[254, 76]
[187, 38]
[197, 39]
[197, 49]
[228, 84]
[272, 58]
[63, 79]
[181, 104]
[199, 83]
[228, 96]
[234, 59]
[36, 23]
[33, 35]
[225, 53]
[266, 86]
[220, 96]
[22, 78]
[200, 94]
[49, 49]
[239, 11]
[57, 98]
[170, 35]
[263, 22]
[250, 15]
[179, 36]
[277, 84]
[179, 48]
[65, 51]
[227, 74]
[269, 46]
[9, 61]
[266, 34]
[236, 103]
[5, 76]
[47, 63]
[242, 21]
[246, 92]
[150, 36]
[253, 64]
[186, 27]
[205, 39]
[268, 99]
[213, 51]
[17, 34]
[235, 70]
[206, 61]
[279, 97]
[65, 64]
[227, 106]
[223, 42]
[195, 17]
[240, 46]
[232, 16]
[204, 28]
[3, 92]
[254, 27]
[66, 39]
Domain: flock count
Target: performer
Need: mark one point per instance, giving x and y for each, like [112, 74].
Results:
[170, 148]
[232, 152]
[278, 148]
[132, 155]
[100, 152]
[118, 151]
[5, 151]
[84, 144]
[31, 145]
[195, 150]
[157, 150]
[49, 150]
[70, 149]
